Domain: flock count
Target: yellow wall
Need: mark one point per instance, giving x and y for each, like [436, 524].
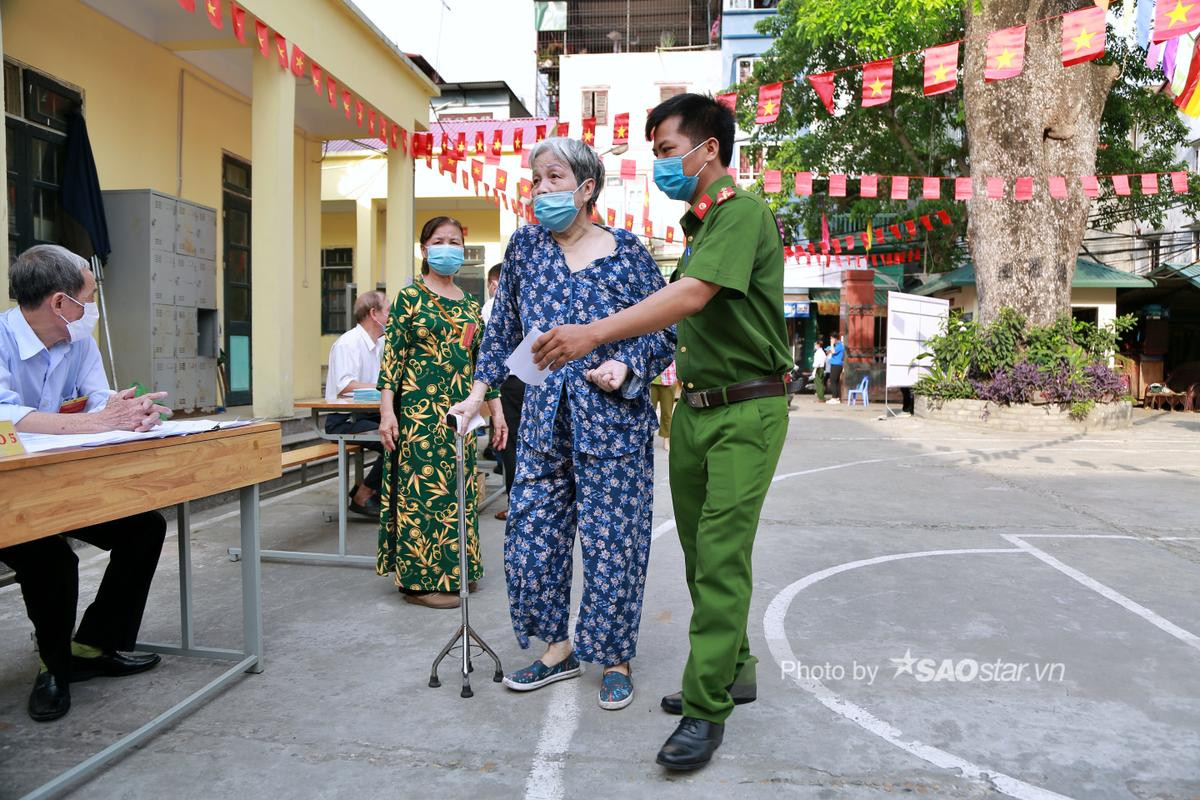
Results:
[337, 229]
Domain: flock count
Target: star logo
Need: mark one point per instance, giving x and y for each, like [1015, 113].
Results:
[939, 74]
[299, 61]
[1084, 39]
[904, 666]
[620, 132]
[769, 108]
[359, 116]
[282, 53]
[587, 137]
[877, 88]
[1178, 15]
[462, 147]
[316, 81]
[212, 9]
[1005, 59]
[346, 105]
[262, 40]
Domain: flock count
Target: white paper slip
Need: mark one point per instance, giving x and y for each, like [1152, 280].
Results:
[520, 363]
[41, 442]
[475, 423]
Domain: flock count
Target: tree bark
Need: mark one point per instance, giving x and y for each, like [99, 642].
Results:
[1044, 122]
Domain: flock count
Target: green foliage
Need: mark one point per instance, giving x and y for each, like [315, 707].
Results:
[1000, 342]
[1081, 408]
[916, 135]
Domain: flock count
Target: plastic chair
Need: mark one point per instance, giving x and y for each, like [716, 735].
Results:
[861, 392]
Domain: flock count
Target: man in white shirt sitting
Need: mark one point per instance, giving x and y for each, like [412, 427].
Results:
[354, 364]
[52, 381]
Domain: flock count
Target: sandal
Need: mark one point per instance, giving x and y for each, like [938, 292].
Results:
[616, 690]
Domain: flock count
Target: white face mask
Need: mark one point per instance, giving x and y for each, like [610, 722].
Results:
[81, 328]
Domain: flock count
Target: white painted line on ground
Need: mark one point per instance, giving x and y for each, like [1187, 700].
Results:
[545, 779]
[1108, 536]
[781, 650]
[1163, 624]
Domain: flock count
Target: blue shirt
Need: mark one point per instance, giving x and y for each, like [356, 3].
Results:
[33, 378]
[838, 355]
[538, 290]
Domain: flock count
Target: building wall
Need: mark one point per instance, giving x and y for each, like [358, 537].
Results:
[966, 299]
[740, 38]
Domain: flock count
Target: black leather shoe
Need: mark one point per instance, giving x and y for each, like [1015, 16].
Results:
[111, 665]
[692, 744]
[741, 693]
[50, 698]
[371, 508]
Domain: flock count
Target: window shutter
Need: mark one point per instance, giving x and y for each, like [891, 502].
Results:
[600, 101]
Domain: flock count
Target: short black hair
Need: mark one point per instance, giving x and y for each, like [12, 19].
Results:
[494, 272]
[700, 118]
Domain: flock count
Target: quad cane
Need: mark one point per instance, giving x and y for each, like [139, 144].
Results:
[464, 634]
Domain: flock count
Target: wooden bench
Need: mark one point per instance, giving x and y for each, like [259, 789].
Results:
[303, 456]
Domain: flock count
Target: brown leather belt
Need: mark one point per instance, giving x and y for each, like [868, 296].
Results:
[774, 386]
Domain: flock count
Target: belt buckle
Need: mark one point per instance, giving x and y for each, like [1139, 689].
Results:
[700, 399]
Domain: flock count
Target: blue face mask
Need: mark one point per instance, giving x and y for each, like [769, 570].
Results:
[556, 210]
[444, 259]
[669, 176]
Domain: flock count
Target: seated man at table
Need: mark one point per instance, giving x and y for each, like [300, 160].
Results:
[52, 381]
[354, 364]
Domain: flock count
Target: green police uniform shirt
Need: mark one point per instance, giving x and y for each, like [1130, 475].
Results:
[732, 241]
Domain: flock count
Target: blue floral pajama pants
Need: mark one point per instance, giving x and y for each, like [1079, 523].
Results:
[609, 501]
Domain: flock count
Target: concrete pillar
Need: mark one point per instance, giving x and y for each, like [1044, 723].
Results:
[365, 235]
[398, 258]
[4, 209]
[858, 325]
[272, 125]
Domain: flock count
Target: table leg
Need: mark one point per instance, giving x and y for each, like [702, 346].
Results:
[251, 577]
[343, 495]
[184, 533]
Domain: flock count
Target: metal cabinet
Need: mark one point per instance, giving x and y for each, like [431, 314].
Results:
[160, 288]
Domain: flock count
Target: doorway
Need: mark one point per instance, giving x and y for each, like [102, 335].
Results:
[236, 250]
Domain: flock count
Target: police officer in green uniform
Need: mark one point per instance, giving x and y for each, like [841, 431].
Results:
[732, 360]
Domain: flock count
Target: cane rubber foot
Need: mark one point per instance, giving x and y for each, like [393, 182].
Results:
[434, 682]
[498, 677]
[466, 692]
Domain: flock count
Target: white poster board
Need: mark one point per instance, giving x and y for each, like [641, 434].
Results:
[911, 321]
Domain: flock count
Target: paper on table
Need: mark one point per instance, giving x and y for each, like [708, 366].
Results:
[520, 363]
[41, 442]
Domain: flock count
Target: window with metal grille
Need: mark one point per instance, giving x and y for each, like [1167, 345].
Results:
[595, 104]
[337, 271]
[667, 92]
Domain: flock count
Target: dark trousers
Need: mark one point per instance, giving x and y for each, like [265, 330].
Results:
[835, 381]
[512, 397]
[361, 423]
[48, 572]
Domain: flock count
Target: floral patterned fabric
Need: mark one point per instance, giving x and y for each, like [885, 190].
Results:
[538, 290]
[585, 457]
[427, 357]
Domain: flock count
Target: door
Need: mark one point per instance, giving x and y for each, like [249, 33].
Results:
[236, 250]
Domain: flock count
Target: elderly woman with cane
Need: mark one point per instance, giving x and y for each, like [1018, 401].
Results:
[585, 458]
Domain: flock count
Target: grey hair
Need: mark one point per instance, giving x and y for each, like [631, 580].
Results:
[367, 302]
[582, 160]
[43, 270]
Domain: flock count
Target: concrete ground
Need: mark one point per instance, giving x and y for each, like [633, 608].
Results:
[938, 611]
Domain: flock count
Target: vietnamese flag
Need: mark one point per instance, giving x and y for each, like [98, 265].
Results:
[877, 83]
[1083, 35]
[628, 169]
[213, 7]
[383, 130]
[670, 235]
[188, 5]
[868, 186]
[629, 222]
[823, 85]
[460, 144]
[316, 78]
[400, 138]
[346, 102]
[539, 133]
[941, 69]
[480, 145]
[769, 97]
[772, 181]
[729, 100]
[501, 180]
[525, 188]
[589, 131]
[281, 51]
[1005, 54]
[900, 187]
[648, 229]
[621, 129]
[445, 142]
[371, 122]
[237, 15]
[931, 188]
[497, 142]
[262, 32]
[298, 61]
[331, 91]
[1174, 18]
[518, 138]
[476, 169]
[804, 184]
[611, 218]
[562, 129]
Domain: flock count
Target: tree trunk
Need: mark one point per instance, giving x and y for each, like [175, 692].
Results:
[1044, 122]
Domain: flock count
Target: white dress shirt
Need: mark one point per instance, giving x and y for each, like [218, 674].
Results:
[486, 311]
[34, 378]
[353, 357]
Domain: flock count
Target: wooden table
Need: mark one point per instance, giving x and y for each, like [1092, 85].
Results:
[319, 409]
[89, 485]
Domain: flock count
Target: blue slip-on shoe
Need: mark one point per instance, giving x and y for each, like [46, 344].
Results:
[537, 674]
[616, 691]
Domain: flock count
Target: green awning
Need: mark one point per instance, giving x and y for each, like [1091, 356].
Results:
[1088, 275]
[1187, 272]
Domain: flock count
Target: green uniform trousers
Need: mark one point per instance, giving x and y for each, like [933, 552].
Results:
[722, 461]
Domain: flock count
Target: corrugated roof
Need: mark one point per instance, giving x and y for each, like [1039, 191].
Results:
[1188, 272]
[1088, 275]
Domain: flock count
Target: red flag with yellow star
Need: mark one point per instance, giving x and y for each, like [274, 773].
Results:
[670, 235]
[611, 218]
[347, 100]
[620, 129]
[1174, 18]
[358, 112]
[460, 144]
[629, 222]
[480, 145]
[941, 69]
[298, 61]
[518, 138]
[281, 52]
[371, 122]
[770, 97]
[539, 133]
[188, 5]
[525, 188]
[562, 129]
[476, 169]
[823, 85]
[316, 77]
[1083, 35]
[497, 142]
[589, 131]
[263, 33]
[237, 16]
[501, 180]
[648, 229]
[1005, 54]
[331, 91]
[877, 83]
[727, 99]
[213, 7]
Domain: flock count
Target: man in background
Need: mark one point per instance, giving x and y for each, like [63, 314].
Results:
[354, 364]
